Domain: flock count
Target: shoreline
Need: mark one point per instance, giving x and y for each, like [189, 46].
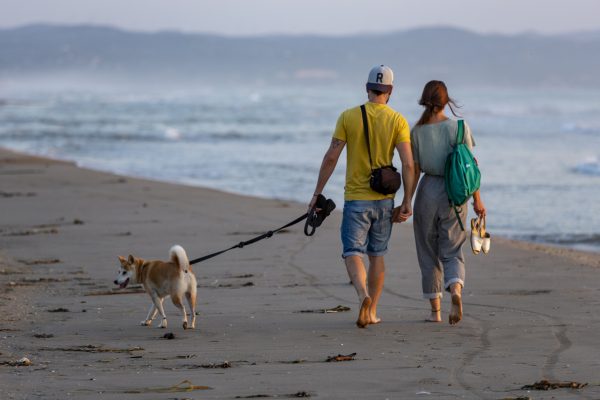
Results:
[263, 328]
[548, 247]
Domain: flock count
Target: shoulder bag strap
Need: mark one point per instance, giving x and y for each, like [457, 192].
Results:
[461, 131]
[363, 110]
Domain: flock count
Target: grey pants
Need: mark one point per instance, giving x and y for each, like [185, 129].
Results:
[438, 237]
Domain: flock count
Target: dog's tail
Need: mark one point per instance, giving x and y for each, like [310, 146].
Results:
[178, 256]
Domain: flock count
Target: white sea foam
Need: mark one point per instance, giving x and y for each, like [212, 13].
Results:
[586, 127]
[591, 166]
[172, 133]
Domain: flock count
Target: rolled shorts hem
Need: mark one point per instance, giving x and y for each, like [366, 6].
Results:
[352, 253]
[377, 253]
[432, 296]
[452, 281]
[370, 254]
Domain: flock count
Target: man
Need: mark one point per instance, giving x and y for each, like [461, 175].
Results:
[367, 219]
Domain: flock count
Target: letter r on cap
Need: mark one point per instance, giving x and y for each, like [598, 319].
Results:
[379, 77]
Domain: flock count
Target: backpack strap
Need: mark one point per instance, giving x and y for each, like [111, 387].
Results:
[457, 212]
[363, 111]
[460, 135]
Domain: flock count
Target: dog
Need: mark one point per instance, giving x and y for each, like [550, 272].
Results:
[161, 279]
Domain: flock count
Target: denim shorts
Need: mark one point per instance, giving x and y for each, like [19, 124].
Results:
[366, 227]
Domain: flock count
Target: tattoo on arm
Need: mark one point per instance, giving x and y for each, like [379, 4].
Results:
[335, 143]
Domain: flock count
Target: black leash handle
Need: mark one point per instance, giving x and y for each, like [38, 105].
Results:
[253, 240]
[310, 217]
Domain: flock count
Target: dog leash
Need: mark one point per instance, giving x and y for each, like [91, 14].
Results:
[313, 218]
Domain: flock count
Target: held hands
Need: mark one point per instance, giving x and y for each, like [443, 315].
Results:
[402, 213]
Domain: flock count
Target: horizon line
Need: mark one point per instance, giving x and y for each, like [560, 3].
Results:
[295, 34]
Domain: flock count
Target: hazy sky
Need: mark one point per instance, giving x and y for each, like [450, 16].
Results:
[256, 17]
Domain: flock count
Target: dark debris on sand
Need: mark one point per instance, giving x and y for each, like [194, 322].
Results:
[224, 365]
[517, 398]
[90, 348]
[41, 261]
[43, 335]
[35, 231]
[545, 384]
[292, 395]
[336, 309]
[341, 357]
[16, 194]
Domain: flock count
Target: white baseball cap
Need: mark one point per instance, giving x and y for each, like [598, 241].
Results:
[381, 78]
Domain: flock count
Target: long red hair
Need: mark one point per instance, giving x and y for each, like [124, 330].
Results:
[435, 98]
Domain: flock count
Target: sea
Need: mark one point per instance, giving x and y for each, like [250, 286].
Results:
[538, 149]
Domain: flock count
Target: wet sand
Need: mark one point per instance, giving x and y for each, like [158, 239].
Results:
[530, 311]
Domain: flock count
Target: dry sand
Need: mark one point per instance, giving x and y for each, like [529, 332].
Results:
[531, 312]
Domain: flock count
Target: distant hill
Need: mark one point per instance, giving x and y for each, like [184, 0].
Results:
[416, 56]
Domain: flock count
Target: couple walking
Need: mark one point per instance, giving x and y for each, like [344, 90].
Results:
[368, 215]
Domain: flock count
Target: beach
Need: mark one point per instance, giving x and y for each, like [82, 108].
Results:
[530, 311]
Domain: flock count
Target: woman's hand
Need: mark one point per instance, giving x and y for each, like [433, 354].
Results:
[479, 207]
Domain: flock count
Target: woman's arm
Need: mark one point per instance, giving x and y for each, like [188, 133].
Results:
[478, 205]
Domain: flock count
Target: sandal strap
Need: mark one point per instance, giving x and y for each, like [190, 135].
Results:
[482, 227]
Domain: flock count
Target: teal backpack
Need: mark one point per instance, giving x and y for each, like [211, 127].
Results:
[461, 175]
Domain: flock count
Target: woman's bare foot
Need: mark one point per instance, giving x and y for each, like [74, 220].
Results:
[456, 310]
[436, 310]
[435, 316]
[363, 315]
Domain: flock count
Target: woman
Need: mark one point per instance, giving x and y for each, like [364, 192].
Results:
[438, 235]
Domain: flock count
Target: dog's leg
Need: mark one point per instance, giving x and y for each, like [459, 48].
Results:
[179, 304]
[191, 299]
[151, 316]
[158, 302]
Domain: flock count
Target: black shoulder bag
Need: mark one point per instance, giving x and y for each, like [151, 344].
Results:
[384, 180]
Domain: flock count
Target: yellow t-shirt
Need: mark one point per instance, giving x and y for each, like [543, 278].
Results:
[387, 128]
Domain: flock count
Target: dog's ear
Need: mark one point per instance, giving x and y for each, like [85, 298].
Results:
[122, 260]
[131, 259]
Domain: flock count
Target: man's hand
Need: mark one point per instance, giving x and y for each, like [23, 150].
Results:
[402, 213]
[312, 203]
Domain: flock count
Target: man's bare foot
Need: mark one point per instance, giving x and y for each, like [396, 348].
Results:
[373, 319]
[363, 315]
[456, 310]
[436, 316]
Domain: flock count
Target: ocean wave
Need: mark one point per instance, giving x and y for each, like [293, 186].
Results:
[52, 135]
[126, 134]
[566, 239]
[584, 128]
[591, 166]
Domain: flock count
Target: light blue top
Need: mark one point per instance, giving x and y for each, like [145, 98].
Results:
[431, 144]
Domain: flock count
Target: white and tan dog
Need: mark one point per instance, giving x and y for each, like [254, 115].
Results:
[161, 279]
